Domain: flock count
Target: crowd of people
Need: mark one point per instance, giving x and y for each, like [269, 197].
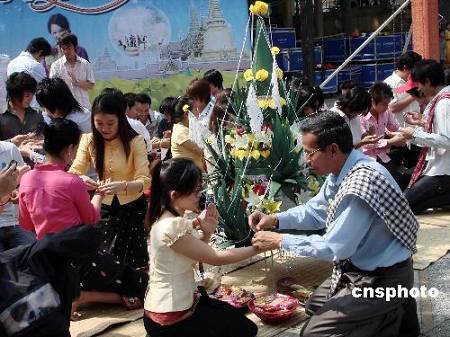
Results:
[131, 174]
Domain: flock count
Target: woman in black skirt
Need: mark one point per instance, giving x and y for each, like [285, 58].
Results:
[119, 157]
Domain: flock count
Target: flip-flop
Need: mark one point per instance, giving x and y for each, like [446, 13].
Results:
[132, 303]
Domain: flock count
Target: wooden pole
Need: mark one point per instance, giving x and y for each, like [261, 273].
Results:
[425, 22]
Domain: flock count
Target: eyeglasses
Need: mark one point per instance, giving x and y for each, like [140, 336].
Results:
[309, 154]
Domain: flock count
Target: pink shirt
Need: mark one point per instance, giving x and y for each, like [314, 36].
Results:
[385, 121]
[51, 200]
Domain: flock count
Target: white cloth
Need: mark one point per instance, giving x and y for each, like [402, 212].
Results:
[171, 284]
[80, 71]
[27, 63]
[82, 118]
[438, 157]
[141, 130]
[8, 152]
[154, 118]
[199, 126]
[395, 81]
[354, 124]
[4, 61]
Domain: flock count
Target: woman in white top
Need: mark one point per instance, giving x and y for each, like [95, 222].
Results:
[176, 244]
[55, 97]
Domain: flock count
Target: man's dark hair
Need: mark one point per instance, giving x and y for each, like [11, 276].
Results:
[355, 100]
[168, 105]
[306, 95]
[429, 70]
[408, 60]
[67, 39]
[143, 98]
[53, 94]
[214, 77]
[60, 20]
[348, 85]
[19, 83]
[380, 91]
[39, 44]
[329, 127]
[130, 97]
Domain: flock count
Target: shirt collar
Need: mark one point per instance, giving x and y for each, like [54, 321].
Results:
[368, 117]
[351, 161]
[64, 59]
[50, 167]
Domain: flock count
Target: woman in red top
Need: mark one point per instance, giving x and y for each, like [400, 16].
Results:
[52, 200]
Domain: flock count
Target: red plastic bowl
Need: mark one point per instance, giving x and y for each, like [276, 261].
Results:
[283, 309]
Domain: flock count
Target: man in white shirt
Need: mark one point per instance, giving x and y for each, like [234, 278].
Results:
[141, 108]
[135, 123]
[430, 184]
[403, 102]
[30, 59]
[74, 70]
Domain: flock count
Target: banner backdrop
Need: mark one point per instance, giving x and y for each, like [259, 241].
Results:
[155, 40]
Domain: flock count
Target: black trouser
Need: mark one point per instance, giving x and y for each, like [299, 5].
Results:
[212, 318]
[346, 315]
[394, 169]
[429, 192]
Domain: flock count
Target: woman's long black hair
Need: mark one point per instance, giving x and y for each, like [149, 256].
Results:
[177, 174]
[110, 102]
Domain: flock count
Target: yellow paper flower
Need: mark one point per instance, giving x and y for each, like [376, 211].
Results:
[261, 75]
[263, 103]
[248, 75]
[271, 103]
[271, 206]
[265, 153]
[282, 101]
[186, 108]
[241, 154]
[313, 185]
[259, 8]
[256, 154]
[275, 50]
[279, 73]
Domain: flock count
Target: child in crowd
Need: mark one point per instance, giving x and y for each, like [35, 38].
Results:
[119, 156]
[354, 103]
[176, 244]
[164, 131]
[309, 99]
[379, 121]
[181, 145]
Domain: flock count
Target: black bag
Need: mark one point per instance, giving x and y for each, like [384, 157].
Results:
[39, 281]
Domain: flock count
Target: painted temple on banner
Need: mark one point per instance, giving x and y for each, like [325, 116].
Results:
[207, 44]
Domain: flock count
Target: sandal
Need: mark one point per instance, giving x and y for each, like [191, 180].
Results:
[75, 316]
[132, 303]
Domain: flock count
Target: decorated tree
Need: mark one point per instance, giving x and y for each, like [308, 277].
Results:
[257, 157]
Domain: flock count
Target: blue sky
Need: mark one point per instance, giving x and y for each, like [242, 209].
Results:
[19, 24]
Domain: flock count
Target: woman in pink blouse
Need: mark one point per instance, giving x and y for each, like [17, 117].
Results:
[52, 200]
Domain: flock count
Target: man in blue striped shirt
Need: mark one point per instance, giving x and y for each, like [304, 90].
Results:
[370, 236]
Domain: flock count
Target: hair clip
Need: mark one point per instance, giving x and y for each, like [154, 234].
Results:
[186, 108]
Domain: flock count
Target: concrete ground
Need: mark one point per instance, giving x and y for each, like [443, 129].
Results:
[434, 314]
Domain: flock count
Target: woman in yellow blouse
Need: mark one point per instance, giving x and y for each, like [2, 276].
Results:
[119, 157]
[181, 145]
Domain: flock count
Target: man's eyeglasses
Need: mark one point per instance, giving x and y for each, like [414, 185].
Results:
[309, 154]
